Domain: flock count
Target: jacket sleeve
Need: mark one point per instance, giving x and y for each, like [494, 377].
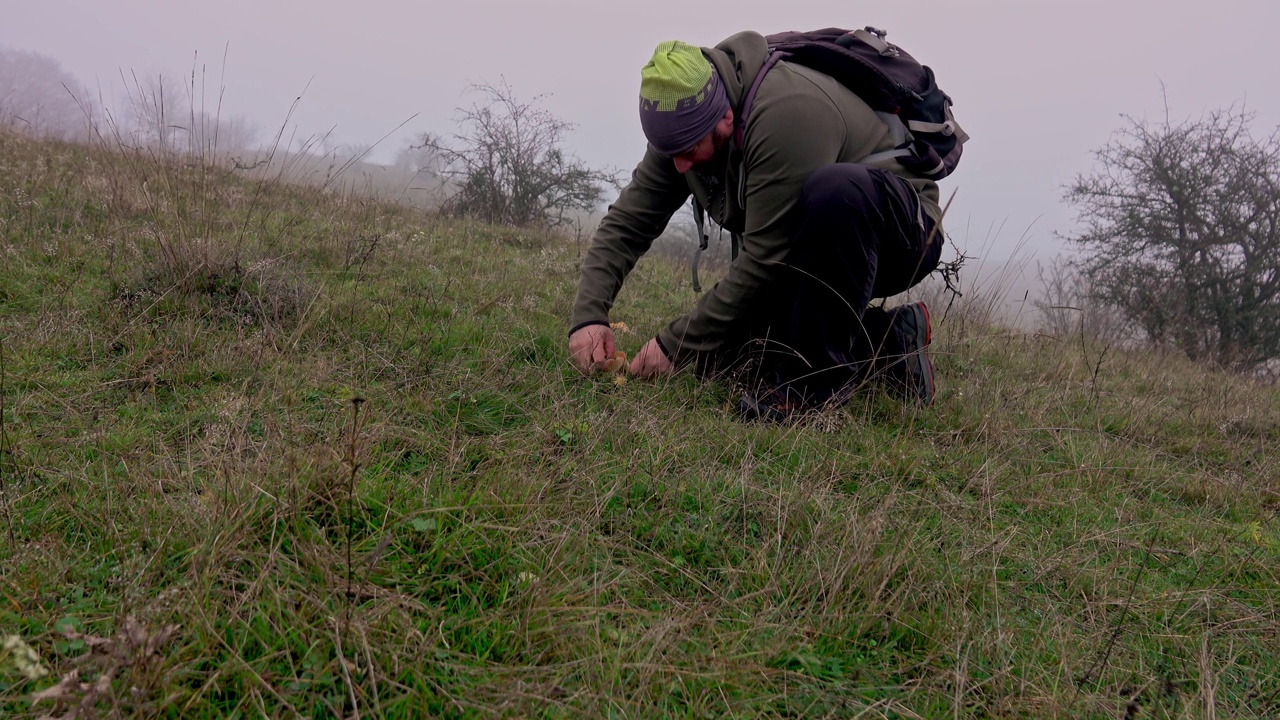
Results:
[783, 148]
[640, 214]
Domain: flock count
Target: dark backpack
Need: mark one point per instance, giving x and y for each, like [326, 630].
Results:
[901, 91]
[928, 141]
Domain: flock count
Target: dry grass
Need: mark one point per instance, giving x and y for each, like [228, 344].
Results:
[204, 523]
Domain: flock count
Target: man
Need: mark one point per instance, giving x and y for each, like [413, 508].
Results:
[823, 229]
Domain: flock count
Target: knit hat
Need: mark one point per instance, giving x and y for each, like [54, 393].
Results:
[681, 98]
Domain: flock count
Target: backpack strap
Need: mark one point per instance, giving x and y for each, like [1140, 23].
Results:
[739, 139]
[880, 157]
[949, 127]
[700, 220]
[900, 133]
[873, 37]
[946, 128]
[740, 117]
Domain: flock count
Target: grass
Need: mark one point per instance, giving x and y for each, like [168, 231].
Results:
[270, 451]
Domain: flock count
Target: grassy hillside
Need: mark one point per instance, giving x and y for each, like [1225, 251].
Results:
[267, 451]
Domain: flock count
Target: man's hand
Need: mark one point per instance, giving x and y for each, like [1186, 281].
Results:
[651, 362]
[590, 347]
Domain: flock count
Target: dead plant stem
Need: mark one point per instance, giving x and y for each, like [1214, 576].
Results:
[5, 452]
[354, 464]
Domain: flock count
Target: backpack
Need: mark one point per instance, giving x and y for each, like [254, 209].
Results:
[901, 91]
[927, 139]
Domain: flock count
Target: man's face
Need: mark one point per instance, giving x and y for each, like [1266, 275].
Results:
[705, 151]
[698, 155]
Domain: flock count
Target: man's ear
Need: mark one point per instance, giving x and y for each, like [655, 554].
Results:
[726, 123]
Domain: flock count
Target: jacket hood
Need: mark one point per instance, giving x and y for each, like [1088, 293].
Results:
[738, 59]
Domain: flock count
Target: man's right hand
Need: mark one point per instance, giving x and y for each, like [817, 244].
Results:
[590, 347]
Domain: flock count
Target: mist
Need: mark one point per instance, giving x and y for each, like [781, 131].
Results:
[1039, 86]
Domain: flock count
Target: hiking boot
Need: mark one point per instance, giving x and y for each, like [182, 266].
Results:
[905, 353]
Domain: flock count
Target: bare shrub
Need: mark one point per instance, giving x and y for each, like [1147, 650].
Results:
[509, 164]
[1181, 231]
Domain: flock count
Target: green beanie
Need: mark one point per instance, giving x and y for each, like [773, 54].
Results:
[681, 97]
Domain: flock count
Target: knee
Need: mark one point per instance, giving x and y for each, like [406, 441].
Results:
[836, 186]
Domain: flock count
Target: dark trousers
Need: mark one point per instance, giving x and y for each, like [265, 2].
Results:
[863, 235]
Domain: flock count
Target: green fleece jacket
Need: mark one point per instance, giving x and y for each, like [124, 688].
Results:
[800, 121]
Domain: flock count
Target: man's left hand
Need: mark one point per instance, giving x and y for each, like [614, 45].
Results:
[651, 362]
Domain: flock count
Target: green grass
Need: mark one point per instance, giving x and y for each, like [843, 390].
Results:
[202, 520]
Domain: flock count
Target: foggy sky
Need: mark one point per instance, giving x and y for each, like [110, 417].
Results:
[1038, 84]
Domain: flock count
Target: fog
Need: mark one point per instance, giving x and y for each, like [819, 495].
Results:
[1038, 85]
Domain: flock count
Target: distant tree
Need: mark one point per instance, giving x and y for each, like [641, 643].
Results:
[506, 163]
[211, 134]
[37, 94]
[350, 153]
[1068, 304]
[160, 114]
[415, 159]
[153, 112]
[1181, 232]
